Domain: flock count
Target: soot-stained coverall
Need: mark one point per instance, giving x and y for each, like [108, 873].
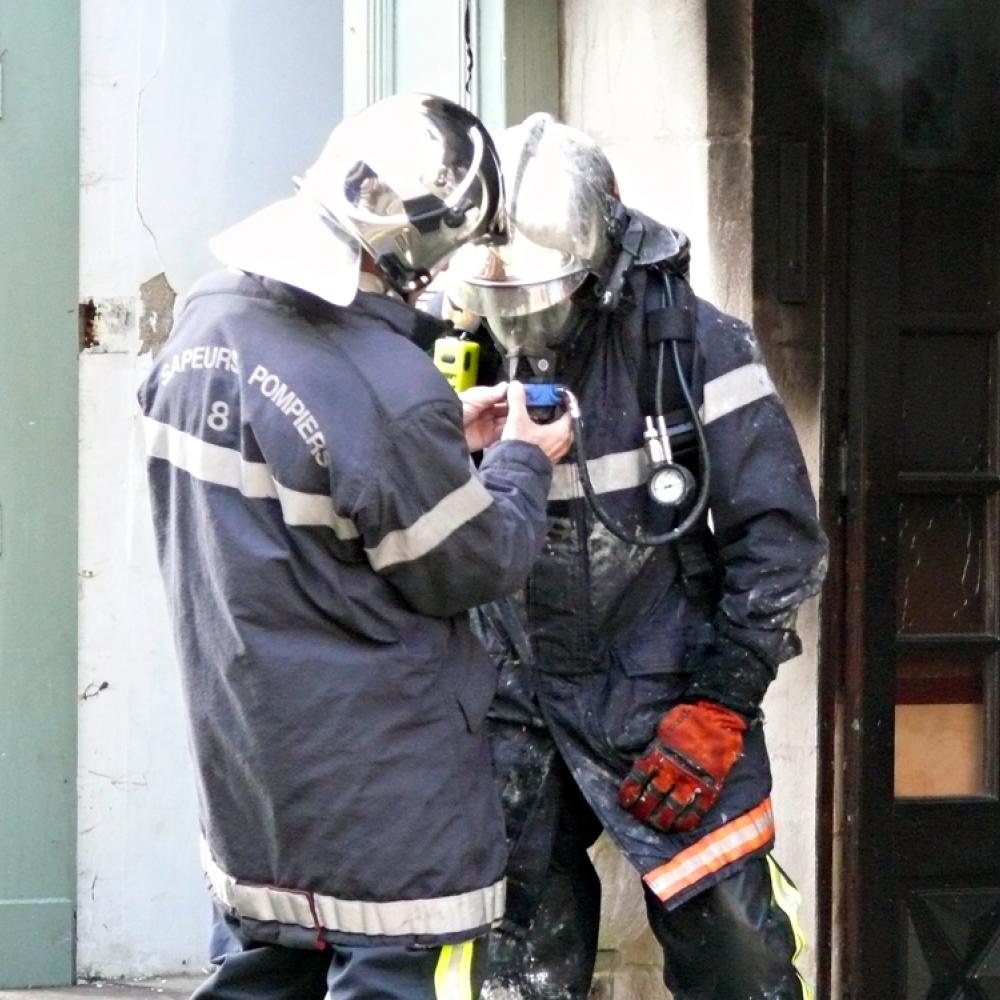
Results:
[604, 640]
[322, 532]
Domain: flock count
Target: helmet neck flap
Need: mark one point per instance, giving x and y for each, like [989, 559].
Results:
[407, 180]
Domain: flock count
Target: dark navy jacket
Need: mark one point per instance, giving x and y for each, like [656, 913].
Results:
[609, 625]
[321, 531]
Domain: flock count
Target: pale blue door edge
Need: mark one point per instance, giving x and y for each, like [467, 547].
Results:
[39, 263]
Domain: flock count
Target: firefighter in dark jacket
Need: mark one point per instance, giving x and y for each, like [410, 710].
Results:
[682, 536]
[322, 532]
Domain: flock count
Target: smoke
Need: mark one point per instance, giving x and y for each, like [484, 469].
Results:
[917, 57]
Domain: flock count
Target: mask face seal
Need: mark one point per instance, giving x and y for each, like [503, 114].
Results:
[536, 336]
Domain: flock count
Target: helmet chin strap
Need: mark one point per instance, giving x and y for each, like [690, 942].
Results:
[627, 233]
[373, 278]
[375, 284]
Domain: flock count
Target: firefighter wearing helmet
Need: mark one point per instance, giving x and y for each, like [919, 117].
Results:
[322, 534]
[682, 536]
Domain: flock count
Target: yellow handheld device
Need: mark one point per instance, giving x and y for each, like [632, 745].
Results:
[457, 360]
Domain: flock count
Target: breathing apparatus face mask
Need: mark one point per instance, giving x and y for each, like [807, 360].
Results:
[523, 290]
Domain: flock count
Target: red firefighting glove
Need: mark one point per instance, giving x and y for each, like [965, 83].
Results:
[676, 781]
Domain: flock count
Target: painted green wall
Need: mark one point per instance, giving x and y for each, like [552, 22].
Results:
[39, 221]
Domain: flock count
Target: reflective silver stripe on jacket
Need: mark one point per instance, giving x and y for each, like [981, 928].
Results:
[431, 528]
[734, 390]
[213, 463]
[442, 915]
[624, 470]
[621, 470]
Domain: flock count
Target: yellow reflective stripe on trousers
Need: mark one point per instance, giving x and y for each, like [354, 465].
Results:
[453, 975]
[788, 899]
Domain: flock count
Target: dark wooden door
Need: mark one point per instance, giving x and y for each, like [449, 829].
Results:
[921, 159]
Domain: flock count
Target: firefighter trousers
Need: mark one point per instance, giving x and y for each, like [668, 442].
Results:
[734, 941]
[257, 970]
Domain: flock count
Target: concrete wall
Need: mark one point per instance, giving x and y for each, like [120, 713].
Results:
[667, 91]
[193, 115]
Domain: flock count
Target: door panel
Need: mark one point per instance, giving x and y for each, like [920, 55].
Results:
[953, 944]
[924, 645]
[39, 212]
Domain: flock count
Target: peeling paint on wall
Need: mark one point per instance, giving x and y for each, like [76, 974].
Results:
[107, 326]
[157, 320]
[88, 313]
[129, 325]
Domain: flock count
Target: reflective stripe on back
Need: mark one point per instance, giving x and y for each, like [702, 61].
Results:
[734, 390]
[453, 975]
[213, 463]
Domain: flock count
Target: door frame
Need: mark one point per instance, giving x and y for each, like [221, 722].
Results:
[856, 720]
[513, 52]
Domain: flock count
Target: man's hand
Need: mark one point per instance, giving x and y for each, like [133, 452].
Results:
[484, 410]
[677, 780]
[554, 439]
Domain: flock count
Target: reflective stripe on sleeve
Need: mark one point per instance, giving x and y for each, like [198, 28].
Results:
[621, 470]
[431, 528]
[734, 390]
[213, 463]
[721, 847]
[466, 911]
[453, 974]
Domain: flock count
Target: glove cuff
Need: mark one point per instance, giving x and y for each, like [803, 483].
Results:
[730, 674]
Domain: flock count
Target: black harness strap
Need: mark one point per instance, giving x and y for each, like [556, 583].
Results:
[665, 324]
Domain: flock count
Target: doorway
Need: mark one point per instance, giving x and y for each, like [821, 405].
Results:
[915, 300]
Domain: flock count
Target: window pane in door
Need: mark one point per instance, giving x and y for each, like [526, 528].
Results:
[942, 585]
[952, 943]
[940, 716]
[946, 386]
[948, 241]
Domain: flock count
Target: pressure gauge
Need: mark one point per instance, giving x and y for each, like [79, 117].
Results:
[670, 484]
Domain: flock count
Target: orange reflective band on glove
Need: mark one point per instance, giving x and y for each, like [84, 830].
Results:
[677, 780]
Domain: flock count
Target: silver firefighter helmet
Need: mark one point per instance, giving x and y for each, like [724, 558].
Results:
[564, 223]
[408, 180]
[411, 178]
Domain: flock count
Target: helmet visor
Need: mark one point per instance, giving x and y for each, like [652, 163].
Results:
[516, 278]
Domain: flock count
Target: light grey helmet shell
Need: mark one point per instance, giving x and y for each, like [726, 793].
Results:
[561, 190]
[559, 195]
[563, 221]
[408, 179]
